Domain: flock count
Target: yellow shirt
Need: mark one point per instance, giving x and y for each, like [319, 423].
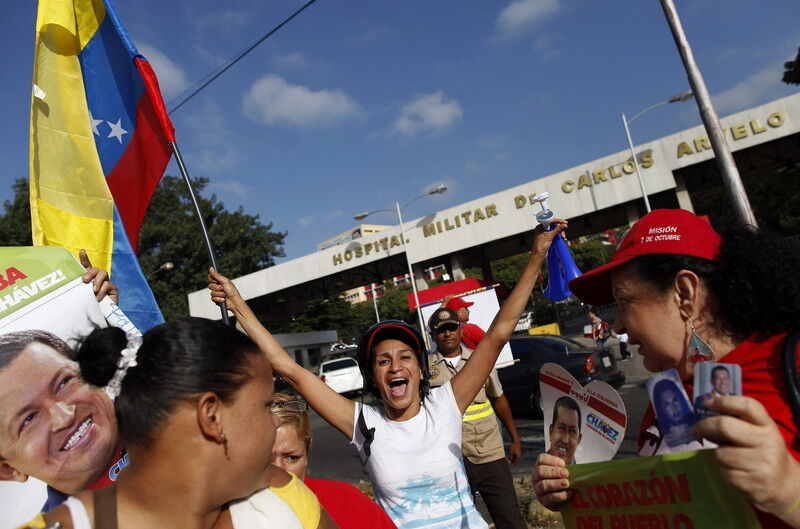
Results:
[36, 523]
[302, 501]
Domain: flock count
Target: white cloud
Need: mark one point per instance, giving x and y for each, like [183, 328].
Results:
[171, 78]
[334, 215]
[233, 187]
[272, 100]
[294, 59]
[230, 20]
[748, 92]
[521, 14]
[214, 145]
[306, 221]
[428, 112]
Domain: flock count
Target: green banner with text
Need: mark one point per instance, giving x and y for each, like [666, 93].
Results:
[672, 491]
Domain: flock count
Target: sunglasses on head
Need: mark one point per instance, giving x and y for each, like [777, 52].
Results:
[290, 405]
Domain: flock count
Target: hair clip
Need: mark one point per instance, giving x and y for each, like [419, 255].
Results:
[126, 361]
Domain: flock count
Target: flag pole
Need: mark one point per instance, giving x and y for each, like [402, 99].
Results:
[222, 306]
[722, 152]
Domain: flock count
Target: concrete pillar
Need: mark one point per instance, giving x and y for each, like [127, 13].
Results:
[419, 277]
[682, 194]
[455, 267]
[632, 212]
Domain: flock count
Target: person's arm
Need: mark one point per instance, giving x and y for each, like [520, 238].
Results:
[446, 300]
[753, 456]
[334, 408]
[467, 382]
[503, 410]
[101, 284]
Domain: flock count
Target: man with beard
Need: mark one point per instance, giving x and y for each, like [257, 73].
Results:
[487, 469]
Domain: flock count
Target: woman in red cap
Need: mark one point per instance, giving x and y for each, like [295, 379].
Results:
[686, 295]
[410, 441]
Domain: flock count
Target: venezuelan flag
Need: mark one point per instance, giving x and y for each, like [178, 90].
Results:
[99, 143]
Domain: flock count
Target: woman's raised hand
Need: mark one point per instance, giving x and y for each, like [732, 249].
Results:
[542, 240]
[550, 481]
[222, 289]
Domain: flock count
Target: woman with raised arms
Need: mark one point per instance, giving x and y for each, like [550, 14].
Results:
[411, 440]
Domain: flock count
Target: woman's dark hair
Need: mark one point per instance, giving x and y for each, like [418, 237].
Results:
[754, 287]
[177, 360]
[12, 344]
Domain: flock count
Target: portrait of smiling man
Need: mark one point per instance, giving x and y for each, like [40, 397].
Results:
[53, 426]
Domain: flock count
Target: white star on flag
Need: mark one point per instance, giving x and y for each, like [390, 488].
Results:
[116, 130]
[95, 123]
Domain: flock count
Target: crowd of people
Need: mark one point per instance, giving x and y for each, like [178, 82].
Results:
[182, 426]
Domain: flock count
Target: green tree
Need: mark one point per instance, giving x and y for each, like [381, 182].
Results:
[15, 223]
[590, 254]
[170, 233]
[791, 73]
[334, 313]
[393, 304]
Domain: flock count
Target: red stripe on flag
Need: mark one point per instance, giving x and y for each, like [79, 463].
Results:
[135, 177]
[151, 86]
[613, 414]
[554, 382]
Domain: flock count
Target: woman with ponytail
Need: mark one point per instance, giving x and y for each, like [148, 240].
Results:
[194, 409]
[684, 295]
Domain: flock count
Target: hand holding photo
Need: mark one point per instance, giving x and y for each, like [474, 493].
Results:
[672, 407]
[712, 379]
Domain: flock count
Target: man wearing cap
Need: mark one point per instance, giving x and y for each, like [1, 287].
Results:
[471, 334]
[487, 469]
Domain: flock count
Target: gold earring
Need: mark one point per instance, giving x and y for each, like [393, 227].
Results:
[224, 441]
[698, 350]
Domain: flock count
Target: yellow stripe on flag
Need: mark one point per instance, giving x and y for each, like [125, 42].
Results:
[59, 228]
[71, 204]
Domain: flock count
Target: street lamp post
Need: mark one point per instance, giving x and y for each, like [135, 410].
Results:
[438, 190]
[375, 303]
[683, 96]
[165, 267]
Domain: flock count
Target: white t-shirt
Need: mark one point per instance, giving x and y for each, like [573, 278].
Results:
[416, 467]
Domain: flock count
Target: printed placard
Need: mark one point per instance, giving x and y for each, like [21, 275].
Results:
[681, 490]
[712, 379]
[41, 288]
[581, 424]
[674, 412]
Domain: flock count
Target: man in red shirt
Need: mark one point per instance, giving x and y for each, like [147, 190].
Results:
[471, 334]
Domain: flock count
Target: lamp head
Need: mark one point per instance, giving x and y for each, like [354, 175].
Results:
[438, 190]
[361, 216]
[683, 96]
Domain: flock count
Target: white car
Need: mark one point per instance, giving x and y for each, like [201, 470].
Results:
[342, 375]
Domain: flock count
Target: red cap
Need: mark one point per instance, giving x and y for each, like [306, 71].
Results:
[663, 231]
[458, 303]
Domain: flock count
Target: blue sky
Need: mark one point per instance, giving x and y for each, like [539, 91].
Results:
[355, 104]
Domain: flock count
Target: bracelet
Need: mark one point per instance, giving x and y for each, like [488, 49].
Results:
[793, 508]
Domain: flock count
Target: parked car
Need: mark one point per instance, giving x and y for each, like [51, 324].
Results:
[521, 380]
[342, 375]
[525, 322]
